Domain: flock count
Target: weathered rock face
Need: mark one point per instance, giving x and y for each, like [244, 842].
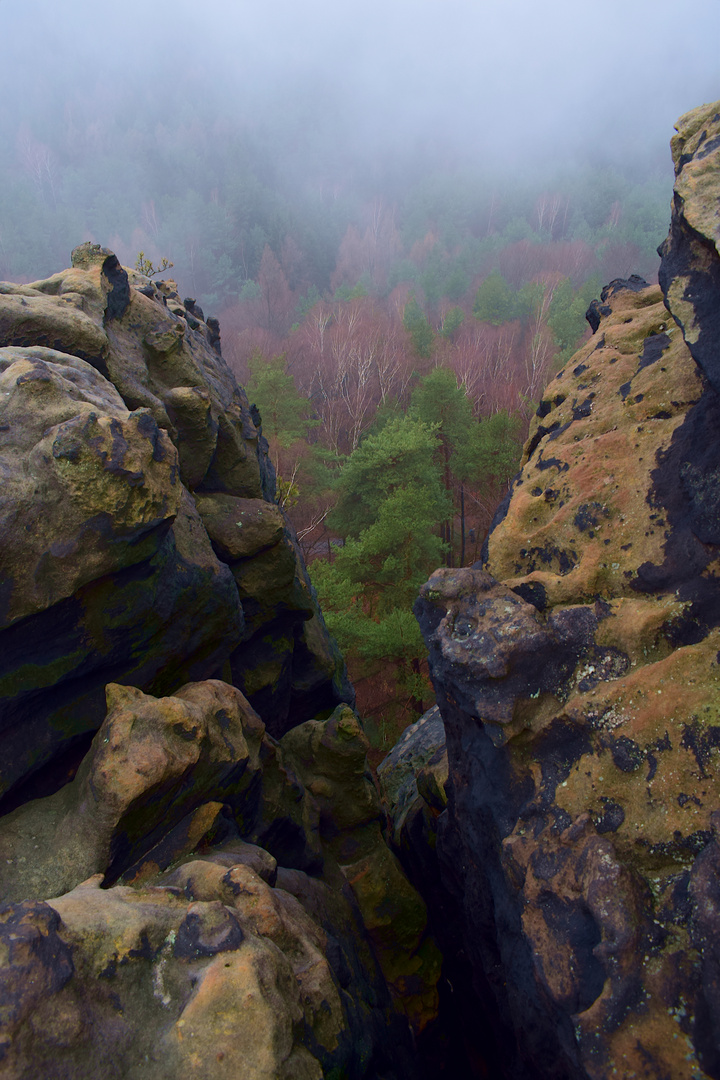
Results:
[351, 825]
[139, 542]
[577, 673]
[464, 1041]
[149, 767]
[690, 267]
[182, 893]
[202, 899]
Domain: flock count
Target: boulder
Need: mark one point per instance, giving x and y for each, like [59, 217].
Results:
[128, 453]
[330, 759]
[106, 480]
[151, 763]
[286, 663]
[153, 605]
[212, 973]
[181, 906]
[415, 772]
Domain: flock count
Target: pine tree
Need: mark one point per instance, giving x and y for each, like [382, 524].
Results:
[440, 402]
[419, 329]
[390, 498]
[286, 421]
[495, 301]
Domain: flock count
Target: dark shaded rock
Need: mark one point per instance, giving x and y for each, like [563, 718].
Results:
[115, 280]
[36, 964]
[203, 960]
[578, 843]
[206, 930]
[690, 265]
[213, 336]
[107, 573]
[465, 1038]
[704, 893]
[594, 314]
[599, 309]
[634, 283]
[330, 759]
[174, 616]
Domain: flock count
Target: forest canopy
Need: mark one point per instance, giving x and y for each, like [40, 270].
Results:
[398, 213]
[395, 331]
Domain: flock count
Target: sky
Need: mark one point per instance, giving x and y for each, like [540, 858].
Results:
[513, 81]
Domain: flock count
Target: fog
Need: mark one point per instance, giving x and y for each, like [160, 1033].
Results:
[515, 80]
[352, 95]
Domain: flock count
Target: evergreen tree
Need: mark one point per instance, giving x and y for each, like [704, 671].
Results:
[400, 454]
[439, 402]
[492, 454]
[420, 331]
[495, 301]
[452, 322]
[567, 314]
[390, 497]
[286, 422]
[285, 413]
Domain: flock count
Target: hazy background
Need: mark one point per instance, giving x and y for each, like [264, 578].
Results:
[491, 78]
[123, 106]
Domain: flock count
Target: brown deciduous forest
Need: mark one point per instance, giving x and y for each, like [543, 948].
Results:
[393, 311]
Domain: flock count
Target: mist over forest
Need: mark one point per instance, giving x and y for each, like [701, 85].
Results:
[398, 211]
[203, 132]
[359, 540]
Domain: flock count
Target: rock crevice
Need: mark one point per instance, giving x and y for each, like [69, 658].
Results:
[578, 679]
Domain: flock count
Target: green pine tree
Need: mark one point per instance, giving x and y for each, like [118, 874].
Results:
[390, 498]
[420, 331]
[441, 403]
[286, 421]
[495, 300]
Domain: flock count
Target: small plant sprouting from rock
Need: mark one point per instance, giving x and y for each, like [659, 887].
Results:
[145, 266]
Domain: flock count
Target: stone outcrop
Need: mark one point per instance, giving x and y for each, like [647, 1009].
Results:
[690, 266]
[140, 540]
[577, 674]
[193, 858]
[194, 877]
[202, 898]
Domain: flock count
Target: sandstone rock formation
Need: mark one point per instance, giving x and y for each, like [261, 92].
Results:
[204, 899]
[194, 878]
[690, 271]
[211, 892]
[140, 542]
[577, 674]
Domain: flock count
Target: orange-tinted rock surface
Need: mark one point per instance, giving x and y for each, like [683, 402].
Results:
[578, 676]
[202, 899]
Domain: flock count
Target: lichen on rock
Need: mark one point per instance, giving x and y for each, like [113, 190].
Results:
[230, 897]
[182, 891]
[577, 674]
[124, 440]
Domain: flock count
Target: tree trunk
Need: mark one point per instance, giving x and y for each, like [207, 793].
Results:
[448, 488]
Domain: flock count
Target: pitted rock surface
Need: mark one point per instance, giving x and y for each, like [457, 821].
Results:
[578, 677]
[126, 446]
[690, 267]
[204, 899]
